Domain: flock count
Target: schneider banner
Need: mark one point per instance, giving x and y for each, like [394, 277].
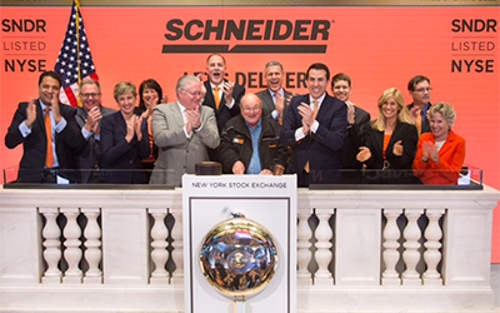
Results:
[457, 47]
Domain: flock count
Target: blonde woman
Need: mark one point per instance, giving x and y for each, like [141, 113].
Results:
[389, 142]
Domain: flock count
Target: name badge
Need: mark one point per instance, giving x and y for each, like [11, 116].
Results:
[239, 141]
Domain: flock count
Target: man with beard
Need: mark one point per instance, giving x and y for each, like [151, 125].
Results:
[314, 128]
[274, 99]
[420, 91]
[222, 96]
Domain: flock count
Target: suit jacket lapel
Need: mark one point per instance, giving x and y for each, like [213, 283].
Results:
[447, 144]
[177, 114]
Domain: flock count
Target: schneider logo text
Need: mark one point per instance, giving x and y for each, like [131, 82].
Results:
[274, 36]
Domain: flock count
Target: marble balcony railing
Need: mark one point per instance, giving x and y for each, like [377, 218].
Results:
[358, 250]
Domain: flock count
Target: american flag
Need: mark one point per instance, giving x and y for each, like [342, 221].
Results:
[74, 62]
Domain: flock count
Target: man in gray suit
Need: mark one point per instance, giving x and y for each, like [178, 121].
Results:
[183, 131]
[88, 118]
[275, 98]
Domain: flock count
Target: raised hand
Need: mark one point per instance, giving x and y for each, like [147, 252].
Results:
[130, 129]
[350, 113]
[228, 89]
[137, 126]
[364, 154]
[193, 118]
[56, 112]
[31, 113]
[307, 117]
[398, 148]
[93, 118]
[280, 104]
[427, 147]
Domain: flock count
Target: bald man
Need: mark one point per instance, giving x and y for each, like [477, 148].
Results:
[250, 142]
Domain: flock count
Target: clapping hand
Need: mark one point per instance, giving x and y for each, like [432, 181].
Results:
[31, 113]
[307, 117]
[364, 154]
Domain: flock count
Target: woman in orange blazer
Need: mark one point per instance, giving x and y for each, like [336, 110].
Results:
[441, 153]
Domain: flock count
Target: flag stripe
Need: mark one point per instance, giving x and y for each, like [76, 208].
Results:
[74, 60]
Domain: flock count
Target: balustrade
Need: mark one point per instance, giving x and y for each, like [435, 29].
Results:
[129, 244]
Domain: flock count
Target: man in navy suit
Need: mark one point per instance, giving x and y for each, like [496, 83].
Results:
[28, 128]
[222, 95]
[314, 127]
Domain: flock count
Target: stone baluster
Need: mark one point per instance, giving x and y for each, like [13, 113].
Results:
[178, 251]
[93, 253]
[73, 252]
[303, 245]
[323, 255]
[411, 255]
[52, 243]
[432, 255]
[159, 255]
[390, 255]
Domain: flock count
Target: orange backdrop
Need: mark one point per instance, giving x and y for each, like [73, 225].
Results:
[379, 48]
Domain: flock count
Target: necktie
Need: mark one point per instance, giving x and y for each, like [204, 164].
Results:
[316, 109]
[49, 158]
[418, 122]
[277, 97]
[217, 97]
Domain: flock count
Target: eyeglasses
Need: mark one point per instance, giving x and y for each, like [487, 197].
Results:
[254, 109]
[422, 90]
[88, 95]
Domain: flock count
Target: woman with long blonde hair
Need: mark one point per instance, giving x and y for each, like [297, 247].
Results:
[389, 142]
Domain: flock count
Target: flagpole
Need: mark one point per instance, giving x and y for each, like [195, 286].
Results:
[77, 22]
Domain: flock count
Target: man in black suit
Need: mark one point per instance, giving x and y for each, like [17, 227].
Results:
[420, 91]
[222, 95]
[314, 127]
[43, 160]
[275, 98]
[88, 118]
[357, 118]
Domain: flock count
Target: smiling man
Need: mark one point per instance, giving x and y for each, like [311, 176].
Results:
[183, 131]
[41, 126]
[357, 118]
[250, 142]
[222, 95]
[88, 117]
[420, 91]
[314, 127]
[275, 98]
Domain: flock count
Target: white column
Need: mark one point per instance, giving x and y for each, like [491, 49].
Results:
[159, 255]
[323, 255]
[93, 244]
[432, 255]
[304, 234]
[391, 234]
[52, 243]
[411, 255]
[73, 252]
[178, 245]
